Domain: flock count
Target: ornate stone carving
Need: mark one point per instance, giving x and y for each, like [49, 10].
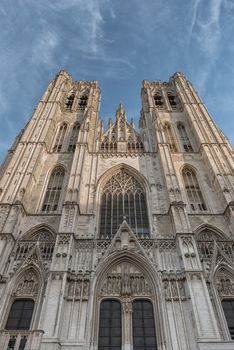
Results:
[78, 287]
[121, 137]
[174, 286]
[43, 239]
[127, 305]
[225, 283]
[68, 215]
[64, 239]
[166, 245]
[27, 286]
[208, 235]
[125, 280]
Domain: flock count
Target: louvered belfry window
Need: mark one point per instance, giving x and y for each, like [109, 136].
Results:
[53, 190]
[143, 326]
[123, 198]
[110, 326]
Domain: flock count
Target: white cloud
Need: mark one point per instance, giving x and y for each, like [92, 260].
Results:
[44, 46]
[206, 29]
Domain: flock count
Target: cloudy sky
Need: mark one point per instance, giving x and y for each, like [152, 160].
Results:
[119, 43]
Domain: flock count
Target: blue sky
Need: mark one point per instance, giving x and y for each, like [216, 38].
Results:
[119, 43]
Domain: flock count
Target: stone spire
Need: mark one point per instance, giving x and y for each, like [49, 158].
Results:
[121, 113]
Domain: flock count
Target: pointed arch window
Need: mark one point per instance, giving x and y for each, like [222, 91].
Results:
[123, 197]
[110, 327]
[228, 309]
[53, 191]
[187, 147]
[144, 336]
[60, 138]
[169, 137]
[194, 194]
[20, 314]
[74, 137]
[205, 241]
[224, 282]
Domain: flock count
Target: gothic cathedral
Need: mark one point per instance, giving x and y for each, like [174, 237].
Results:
[117, 239]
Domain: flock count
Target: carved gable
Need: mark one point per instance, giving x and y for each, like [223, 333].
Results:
[121, 136]
[125, 239]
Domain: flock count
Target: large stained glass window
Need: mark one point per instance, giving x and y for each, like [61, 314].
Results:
[123, 198]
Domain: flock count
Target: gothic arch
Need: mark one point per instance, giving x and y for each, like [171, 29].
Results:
[195, 195]
[223, 290]
[63, 122]
[124, 270]
[129, 169]
[31, 233]
[131, 201]
[31, 268]
[212, 229]
[169, 136]
[190, 166]
[29, 283]
[184, 137]
[47, 180]
[50, 171]
[60, 136]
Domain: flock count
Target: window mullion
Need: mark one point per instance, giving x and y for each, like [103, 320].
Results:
[134, 201]
[111, 218]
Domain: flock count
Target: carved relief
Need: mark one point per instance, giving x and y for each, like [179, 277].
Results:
[27, 286]
[68, 215]
[63, 239]
[174, 286]
[225, 283]
[125, 280]
[78, 287]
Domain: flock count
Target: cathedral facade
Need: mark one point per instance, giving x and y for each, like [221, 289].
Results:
[117, 239]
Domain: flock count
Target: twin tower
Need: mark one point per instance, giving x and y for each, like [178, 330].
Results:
[117, 239]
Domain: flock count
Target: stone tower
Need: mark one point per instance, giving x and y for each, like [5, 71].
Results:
[117, 239]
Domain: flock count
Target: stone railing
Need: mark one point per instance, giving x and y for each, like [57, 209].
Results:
[20, 340]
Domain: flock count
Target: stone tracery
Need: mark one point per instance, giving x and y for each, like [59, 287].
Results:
[123, 198]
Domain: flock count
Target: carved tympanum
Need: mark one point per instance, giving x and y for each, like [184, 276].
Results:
[225, 283]
[125, 279]
[28, 285]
